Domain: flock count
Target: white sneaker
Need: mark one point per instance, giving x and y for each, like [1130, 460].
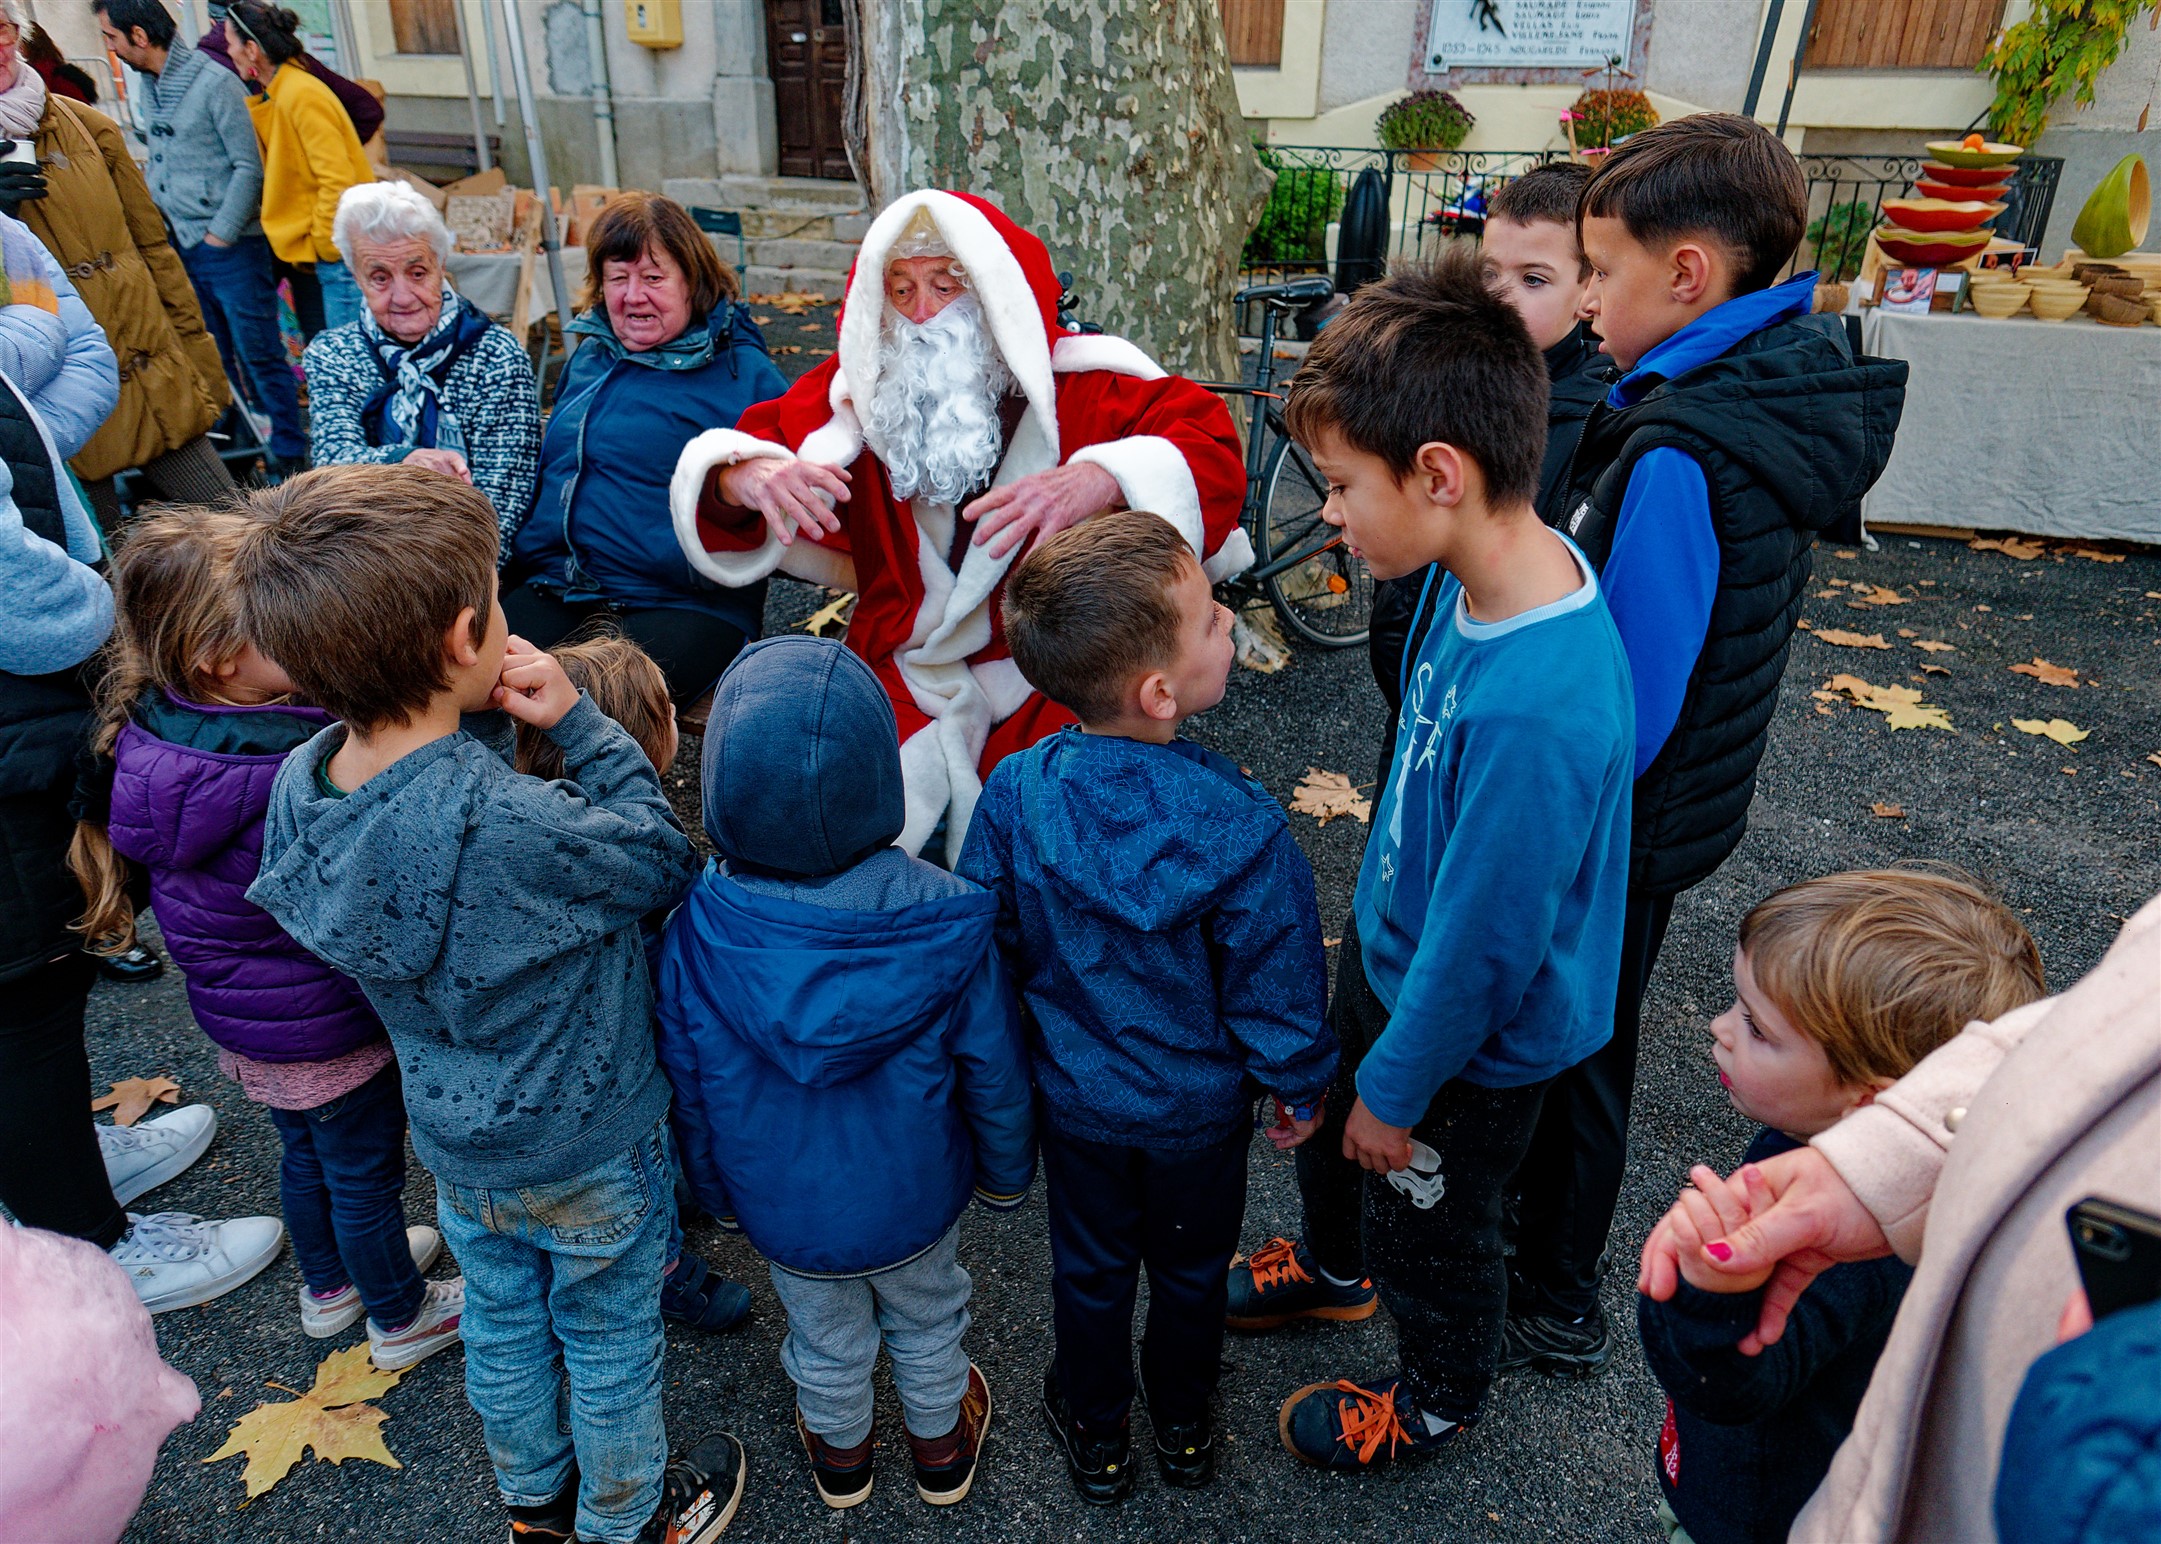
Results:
[432, 1329]
[177, 1260]
[142, 1157]
[323, 1317]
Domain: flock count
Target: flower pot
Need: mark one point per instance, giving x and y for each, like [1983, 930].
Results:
[2115, 216]
[1429, 160]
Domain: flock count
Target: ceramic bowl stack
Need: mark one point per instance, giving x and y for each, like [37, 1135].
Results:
[1997, 295]
[2056, 296]
[1960, 193]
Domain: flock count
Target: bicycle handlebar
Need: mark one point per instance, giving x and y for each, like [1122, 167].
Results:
[1315, 287]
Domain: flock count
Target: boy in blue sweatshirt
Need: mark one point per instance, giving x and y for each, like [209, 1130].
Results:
[1741, 426]
[847, 1059]
[492, 920]
[1841, 985]
[1489, 902]
[1160, 922]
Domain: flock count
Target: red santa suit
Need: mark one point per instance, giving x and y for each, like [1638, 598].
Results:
[932, 631]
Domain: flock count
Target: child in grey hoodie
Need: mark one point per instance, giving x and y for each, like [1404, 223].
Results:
[492, 920]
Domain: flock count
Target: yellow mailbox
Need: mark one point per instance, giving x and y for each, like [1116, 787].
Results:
[656, 23]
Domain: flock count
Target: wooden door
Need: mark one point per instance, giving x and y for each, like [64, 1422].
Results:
[806, 50]
[1902, 34]
[1253, 31]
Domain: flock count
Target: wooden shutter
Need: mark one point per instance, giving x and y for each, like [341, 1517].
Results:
[1254, 30]
[1902, 34]
[424, 26]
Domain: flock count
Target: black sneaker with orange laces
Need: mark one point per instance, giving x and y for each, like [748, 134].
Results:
[548, 1522]
[1280, 1282]
[699, 1492]
[842, 1474]
[946, 1466]
[1359, 1426]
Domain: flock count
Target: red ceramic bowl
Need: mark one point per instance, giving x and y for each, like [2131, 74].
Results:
[1963, 176]
[1957, 194]
[1937, 214]
[1929, 250]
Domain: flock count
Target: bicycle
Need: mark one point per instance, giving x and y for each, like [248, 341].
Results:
[1302, 567]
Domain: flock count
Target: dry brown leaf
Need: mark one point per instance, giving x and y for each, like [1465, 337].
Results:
[2154, 757]
[2051, 675]
[1257, 640]
[131, 1098]
[1935, 646]
[1874, 595]
[1326, 795]
[786, 348]
[2096, 555]
[1826, 594]
[2153, 594]
[763, 321]
[794, 305]
[1901, 706]
[1915, 715]
[1850, 686]
[1847, 552]
[330, 1417]
[1907, 632]
[1934, 670]
[1846, 640]
[1888, 811]
[2061, 730]
[833, 614]
[2010, 546]
[1820, 708]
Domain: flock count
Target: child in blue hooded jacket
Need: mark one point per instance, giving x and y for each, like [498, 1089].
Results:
[846, 1057]
[1162, 925]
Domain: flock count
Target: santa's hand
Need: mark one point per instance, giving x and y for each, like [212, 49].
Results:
[791, 495]
[448, 462]
[1041, 504]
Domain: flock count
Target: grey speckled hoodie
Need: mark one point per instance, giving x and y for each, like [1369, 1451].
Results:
[492, 920]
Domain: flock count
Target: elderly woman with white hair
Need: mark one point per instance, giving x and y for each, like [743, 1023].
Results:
[423, 377]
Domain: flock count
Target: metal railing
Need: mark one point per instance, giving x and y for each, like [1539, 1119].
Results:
[1348, 212]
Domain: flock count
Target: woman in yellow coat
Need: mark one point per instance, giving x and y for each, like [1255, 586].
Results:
[96, 217]
[310, 153]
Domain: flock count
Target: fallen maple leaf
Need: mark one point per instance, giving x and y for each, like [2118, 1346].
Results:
[1907, 632]
[1935, 646]
[1826, 594]
[1847, 552]
[2096, 555]
[1934, 670]
[1326, 795]
[2061, 730]
[794, 305]
[2155, 758]
[330, 1417]
[131, 1098]
[1915, 715]
[1901, 706]
[1257, 642]
[1874, 595]
[1846, 640]
[786, 348]
[2010, 546]
[832, 614]
[1888, 811]
[1849, 685]
[2052, 675]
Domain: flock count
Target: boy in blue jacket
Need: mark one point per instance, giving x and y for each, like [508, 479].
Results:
[1489, 902]
[846, 1058]
[1160, 921]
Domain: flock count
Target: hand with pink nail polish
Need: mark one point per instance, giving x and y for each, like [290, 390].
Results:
[1707, 1211]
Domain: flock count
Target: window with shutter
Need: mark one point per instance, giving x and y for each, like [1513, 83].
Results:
[1254, 30]
[424, 26]
[1902, 34]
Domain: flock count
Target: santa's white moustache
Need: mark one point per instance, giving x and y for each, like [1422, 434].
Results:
[933, 419]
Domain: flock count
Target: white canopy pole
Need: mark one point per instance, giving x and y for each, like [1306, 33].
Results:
[482, 160]
[551, 240]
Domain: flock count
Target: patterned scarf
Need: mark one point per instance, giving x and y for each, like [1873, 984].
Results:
[22, 269]
[408, 408]
[22, 105]
[691, 349]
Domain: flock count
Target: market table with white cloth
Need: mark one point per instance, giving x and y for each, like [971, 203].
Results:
[2053, 428]
[490, 280]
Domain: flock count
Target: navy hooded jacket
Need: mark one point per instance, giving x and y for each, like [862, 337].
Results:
[2082, 1449]
[1161, 923]
[842, 1039]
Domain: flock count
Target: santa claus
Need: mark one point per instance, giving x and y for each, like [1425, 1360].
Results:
[957, 423]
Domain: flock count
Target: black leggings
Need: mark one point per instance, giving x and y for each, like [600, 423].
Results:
[691, 648]
[52, 1174]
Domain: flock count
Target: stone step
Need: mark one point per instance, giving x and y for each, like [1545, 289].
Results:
[789, 224]
[736, 191]
[835, 255]
[759, 279]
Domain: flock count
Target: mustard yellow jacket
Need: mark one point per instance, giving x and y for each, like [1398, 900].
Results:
[310, 157]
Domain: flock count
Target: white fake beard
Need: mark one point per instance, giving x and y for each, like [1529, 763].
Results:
[934, 419]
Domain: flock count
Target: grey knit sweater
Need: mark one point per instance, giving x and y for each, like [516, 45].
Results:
[206, 170]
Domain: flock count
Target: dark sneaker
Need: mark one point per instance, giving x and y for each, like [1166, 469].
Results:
[1280, 1283]
[698, 1494]
[551, 1520]
[1100, 1464]
[699, 1296]
[945, 1466]
[842, 1474]
[1359, 1426]
[131, 967]
[1558, 1347]
[1185, 1454]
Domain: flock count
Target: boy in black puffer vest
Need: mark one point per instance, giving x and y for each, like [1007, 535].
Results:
[1741, 426]
[1531, 258]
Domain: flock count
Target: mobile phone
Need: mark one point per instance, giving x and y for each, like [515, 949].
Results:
[2118, 1249]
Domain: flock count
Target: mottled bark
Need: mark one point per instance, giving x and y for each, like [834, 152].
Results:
[1110, 128]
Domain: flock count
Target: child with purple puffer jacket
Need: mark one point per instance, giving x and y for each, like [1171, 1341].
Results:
[195, 722]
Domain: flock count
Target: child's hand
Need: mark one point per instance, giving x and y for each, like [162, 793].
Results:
[1706, 1212]
[534, 689]
[1372, 1143]
[1289, 1131]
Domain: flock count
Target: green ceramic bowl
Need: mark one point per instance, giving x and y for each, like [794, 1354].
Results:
[1951, 152]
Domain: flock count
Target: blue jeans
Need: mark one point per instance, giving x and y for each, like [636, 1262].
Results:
[239, 295]
[342, 1182]
[341, 296]
[564, 1279]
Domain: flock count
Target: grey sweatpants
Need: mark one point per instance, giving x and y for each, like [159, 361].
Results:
[920, 1309]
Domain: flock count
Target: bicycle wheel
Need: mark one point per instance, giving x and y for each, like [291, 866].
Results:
[1320, 589]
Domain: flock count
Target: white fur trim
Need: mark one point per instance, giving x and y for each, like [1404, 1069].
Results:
[837, 441]
[923, 788]
[1234, 557]
[995, 276]
[1153, 475]
[717, 448]
[1101, 351]
[1004, 685]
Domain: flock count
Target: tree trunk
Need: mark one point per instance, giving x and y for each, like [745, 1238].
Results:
[1110, 128]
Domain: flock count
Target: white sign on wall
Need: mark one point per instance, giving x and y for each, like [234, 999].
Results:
[1533, 34]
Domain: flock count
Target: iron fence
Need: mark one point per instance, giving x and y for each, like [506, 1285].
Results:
[1348, 212]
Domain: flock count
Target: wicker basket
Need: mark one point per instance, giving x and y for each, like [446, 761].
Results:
[2116, 311]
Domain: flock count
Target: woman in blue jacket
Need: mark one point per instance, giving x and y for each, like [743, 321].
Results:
[668, 353]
